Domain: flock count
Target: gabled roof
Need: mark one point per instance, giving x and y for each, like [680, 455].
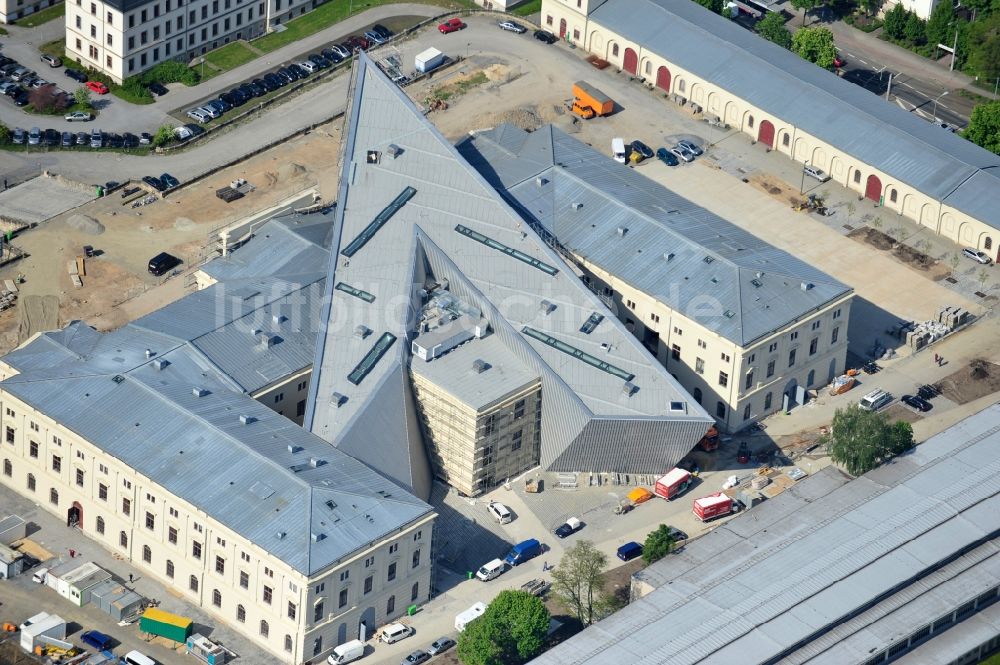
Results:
[176, 417]
[900, 144]
[412, 211]
[699, 264]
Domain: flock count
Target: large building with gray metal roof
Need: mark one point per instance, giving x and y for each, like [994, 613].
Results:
[893, 158]
[148, 439]
[899, 565]
[743, 326]
[414, 223]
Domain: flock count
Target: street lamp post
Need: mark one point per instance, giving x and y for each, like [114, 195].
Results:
[802, 182]
[934, 113]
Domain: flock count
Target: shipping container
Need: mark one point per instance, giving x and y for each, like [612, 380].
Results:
[715, 505]
[165, 624]
[428, 60]
[673, 484]
[127, 605]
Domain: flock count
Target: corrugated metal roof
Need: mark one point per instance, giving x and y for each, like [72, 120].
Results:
[499, 266]
[699, 264]
[254, 477]
[903, 146]
[795, 579]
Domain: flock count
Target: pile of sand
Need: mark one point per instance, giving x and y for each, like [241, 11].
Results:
[184, 224]
[287, 172]
[498, 72]
[525, 118]
[85, 224]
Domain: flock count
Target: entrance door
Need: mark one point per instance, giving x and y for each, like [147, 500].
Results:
[873, 189]
[74, 516]
[663, 79]
[765, 134]
[631, 64]
[562, 28]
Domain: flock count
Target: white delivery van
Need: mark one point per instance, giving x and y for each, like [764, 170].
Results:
[500, 512]
[875, 400]
[491, 570]
[137, 658]
[618, 150]
[394, 632]
[468, 616]
[347, 652]
[38, 577]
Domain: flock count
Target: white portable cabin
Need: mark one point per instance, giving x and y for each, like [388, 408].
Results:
[42, 624]
[468, 616]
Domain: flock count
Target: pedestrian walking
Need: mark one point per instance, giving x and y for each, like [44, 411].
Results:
[130, 578]
[937, 359]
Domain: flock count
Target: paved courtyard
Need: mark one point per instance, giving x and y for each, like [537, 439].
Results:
[40, 199]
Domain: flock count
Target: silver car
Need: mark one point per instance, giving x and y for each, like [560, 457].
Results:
[34, 136]
[199, 114]
[976, 255]
[510, 26]
[691, 147]
[682, 153]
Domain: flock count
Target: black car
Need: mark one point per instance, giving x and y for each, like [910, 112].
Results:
[382, 31]
[157, 88]
[928, 391]
[416, 658]
[169, 182]
[51, 137]
[667, 157]
[298, 70]
[319, 61]
[286, 75]
[254, 89]
[67, 139]
[676, 534]
[545, 36]
[642, 149]
[332, 55]
[130, 140]
[162, 262]
[568, 528]
[155, 183]
[116, 141]
[239, 96]
[19, 136]
[82, 138]
[76, 75]
[230, 99]
[21, 98]
[918, 403]
[275, 80]
[265, 84]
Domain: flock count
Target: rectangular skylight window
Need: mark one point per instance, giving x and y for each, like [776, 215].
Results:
[577, 353]
[509, 251]
[371, 358]
[591, 323]
[362, 239]
[757, 283]
[357, 293]
[708, 259]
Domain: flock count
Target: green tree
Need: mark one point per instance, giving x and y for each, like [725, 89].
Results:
[714, 6]
[860, 440]
[894, 24]
[512, 630]
[4, 133]
[579, 579]
[915, 31]
[164, 135]
[984, 126]
[82, 97]
[939, 25]
[877, 222]
[772, 28]
[816, 46]
[983, 48]
[806, 6]
[658, 544]
[870, 7]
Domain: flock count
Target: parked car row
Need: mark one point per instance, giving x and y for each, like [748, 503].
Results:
[95, 139]
[17, 81]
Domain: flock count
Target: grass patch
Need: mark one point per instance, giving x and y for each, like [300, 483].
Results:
[333, 12]
[528, 8]
[459, 88]
[44, 16]
[56, 48]
[3, 32]
[230, 56]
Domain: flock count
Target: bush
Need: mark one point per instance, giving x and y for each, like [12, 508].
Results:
[4, 133]
[45, 99]
[164, 135]
[171, 71]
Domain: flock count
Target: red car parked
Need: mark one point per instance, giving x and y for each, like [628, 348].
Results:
[98, 87]
[451, 25]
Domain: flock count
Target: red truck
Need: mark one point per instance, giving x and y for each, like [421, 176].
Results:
[710, 441]
[673, 484]
[714, 505]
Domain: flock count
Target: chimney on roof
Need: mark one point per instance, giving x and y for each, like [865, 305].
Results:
[149, 354]
[198, 392]
[255, 331]
[394, 150]
[622, 230]
[540, 181]
[316, 537]
[266, 341]
[576, 205]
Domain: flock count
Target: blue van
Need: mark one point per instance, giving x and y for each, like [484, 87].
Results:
[99, 641]
[629, 551]
[521, 552]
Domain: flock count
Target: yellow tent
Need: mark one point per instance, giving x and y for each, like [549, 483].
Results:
[639, 495]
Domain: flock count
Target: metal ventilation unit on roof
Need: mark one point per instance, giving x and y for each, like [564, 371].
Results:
[160, 363]
[279, 318]
[316, 537]
[622, 230]
[708, 259]
[149, 354]
[628, 388]
[394, 150]
[316, 462]
[757, 283]
[246, 419]
[546, 307]
[576, 205]
[117, 378]
[479, 366]
[337, 399]
[280, 535]
[729, 314]
[199, 392]
[668, 256]
[292, 448]
[540, 181]
[361, 331]
[267, 341]
[805, 286]
[331, 504]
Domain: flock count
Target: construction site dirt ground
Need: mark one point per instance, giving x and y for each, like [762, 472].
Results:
[117, 287]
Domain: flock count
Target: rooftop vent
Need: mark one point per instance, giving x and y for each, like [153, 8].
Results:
[577, 205]
[316, 462]
[479, 366]
[198, 392]
[546, 307]
[149, 354]
[757, 282]
[729, 314]
[708, 259]
[117, 378]
[255, 331]
[372, 156]
[292, 448]
[628, 388]
[280, 535]
[805, 286]
[622, 230]
[394, 150]
[279, 318]
[316, 537]
[160, 363]
[337, 399]
[331, 504]
[540, 181]
[759, 274]
[246, 419]
[361, 331]
[668, 256]
[267, 341]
